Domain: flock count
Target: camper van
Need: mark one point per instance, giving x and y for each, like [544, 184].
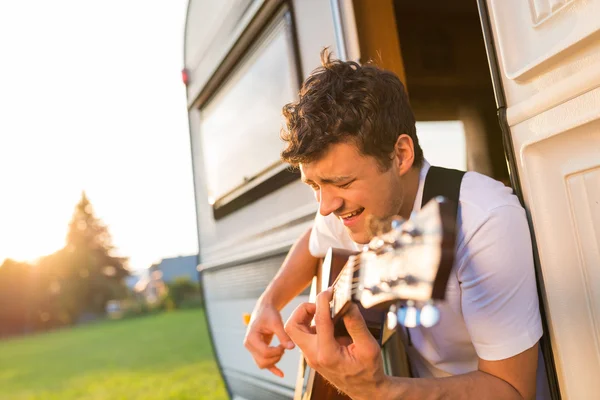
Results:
[508, 88]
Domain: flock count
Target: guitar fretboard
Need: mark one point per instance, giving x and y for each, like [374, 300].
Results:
[344, 286]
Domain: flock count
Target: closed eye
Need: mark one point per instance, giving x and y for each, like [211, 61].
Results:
[345, 185]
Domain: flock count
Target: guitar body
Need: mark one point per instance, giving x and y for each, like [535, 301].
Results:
[310, 384]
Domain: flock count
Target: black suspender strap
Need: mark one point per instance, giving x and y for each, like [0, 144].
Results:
[442, 182]
[438, 182]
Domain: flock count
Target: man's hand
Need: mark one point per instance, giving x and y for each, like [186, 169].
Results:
[266, 322]
[355, 367]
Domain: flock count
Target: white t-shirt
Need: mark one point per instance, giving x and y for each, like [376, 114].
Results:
[491, 308]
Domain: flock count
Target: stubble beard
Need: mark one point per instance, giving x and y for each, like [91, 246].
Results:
[374, 225]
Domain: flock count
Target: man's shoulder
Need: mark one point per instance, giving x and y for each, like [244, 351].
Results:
[487, 205]
[482, 195]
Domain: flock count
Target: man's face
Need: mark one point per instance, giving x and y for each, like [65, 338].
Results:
[353, 187]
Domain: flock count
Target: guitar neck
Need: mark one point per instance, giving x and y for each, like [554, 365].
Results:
[344, 288]
[344, 291]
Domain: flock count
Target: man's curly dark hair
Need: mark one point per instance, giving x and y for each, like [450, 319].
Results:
[342, 101]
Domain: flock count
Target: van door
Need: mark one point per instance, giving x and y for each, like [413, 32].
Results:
[545, 61]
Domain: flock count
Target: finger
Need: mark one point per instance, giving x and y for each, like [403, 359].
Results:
[323, 313]
[276, 371]
[325, 338]
[356, 326]
[257, 346]
[267, 362]
[344, 340]
[299, 330]
[301, 319]
[283, 337]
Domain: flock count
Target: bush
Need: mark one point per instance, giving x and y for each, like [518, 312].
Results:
[194, 301]
[184, 293]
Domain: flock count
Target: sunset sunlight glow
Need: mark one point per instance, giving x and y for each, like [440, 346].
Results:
[92, 100]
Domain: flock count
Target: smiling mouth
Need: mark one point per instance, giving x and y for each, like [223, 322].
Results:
[352, 214]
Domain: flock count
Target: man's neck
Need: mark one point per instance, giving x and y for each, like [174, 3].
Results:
[411, 187]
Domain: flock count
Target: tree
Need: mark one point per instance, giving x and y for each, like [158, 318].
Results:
[96, 275]
[81, 277]
[84, 275]
[16, 302]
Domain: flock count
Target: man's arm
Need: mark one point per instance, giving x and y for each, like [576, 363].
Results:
[500, 306]
[357, 369]
[512, 378]
[294, 275]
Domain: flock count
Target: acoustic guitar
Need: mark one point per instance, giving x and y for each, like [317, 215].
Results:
[395, 279]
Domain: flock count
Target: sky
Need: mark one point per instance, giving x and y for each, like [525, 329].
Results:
[91, 99]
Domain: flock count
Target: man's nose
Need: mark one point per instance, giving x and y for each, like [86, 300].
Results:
[329, 202]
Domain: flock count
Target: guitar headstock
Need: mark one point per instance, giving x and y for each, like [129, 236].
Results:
[406, 267]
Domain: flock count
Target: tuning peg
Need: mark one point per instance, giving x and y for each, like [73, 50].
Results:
[401, 315]
[410, 280]
[411, 230]
[373, 289]
[430, 315]
[414, 232]
[412, 315]
[408, 315]
[376, 243]
[392, 318]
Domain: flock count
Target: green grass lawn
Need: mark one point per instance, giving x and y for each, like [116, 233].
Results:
[163, 356]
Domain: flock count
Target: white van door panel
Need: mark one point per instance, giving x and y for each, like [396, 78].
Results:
[549, 65]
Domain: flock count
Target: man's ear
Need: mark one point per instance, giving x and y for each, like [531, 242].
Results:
[404, 154]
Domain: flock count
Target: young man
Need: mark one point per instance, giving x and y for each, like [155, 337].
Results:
[352, 134]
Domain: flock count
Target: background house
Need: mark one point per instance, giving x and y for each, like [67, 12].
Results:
[152, 283]
[177, 267]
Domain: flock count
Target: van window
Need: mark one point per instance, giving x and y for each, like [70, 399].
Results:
[244, 116]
